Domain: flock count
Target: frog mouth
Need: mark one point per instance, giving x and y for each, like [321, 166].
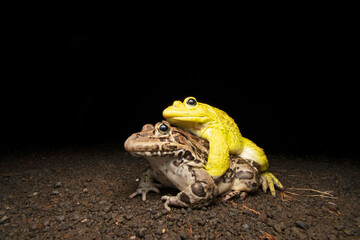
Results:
[187, 119]
[171, 154]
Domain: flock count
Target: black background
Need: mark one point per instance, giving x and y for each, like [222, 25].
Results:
[77, 79]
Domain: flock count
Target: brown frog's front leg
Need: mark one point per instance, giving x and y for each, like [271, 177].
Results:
[146, 185]
[200, 193]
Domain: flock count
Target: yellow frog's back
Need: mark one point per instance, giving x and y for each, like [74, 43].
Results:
[231, 130]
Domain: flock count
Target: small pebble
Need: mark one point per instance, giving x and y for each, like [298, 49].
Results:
[141, 232]
[60, 218]
[357, 221]
[349, 231]
[76, 215]
[63, 226]
[277, 227]
[339, 226]
[331, 206]
[302, 224]
[33, 194]
[128, 216]
[55, 192]
[4, 219]
[246, 226]
[46, 222]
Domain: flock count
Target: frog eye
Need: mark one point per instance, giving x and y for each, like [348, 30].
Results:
[163, 128]
[191, 102]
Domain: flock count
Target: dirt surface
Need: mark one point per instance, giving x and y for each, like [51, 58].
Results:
[82, 193]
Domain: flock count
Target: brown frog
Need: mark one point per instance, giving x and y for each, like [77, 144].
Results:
[178, 159]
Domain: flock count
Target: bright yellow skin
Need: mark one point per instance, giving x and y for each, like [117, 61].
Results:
[223, 135]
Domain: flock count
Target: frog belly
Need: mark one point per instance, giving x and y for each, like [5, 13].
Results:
[224, 187]
[178, 176]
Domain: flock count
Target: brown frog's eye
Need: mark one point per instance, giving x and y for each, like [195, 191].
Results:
[163, 128]
[191, 102]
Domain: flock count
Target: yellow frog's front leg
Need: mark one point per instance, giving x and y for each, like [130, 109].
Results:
[218, 159]
[253, 152]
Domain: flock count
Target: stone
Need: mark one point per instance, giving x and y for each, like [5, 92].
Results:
[55, 192]
[60, 218]
[246, 226]
[350, 231]
[302, 224]
[331, 206]
[141, 232]
[277, 227]
[4, 219]
[63, 226]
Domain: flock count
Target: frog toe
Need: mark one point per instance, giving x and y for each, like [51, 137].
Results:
[167, 202]
[232, 194]
[277, 183]
[144, 191]
[270, 181]
[172, 200]
[264, 183]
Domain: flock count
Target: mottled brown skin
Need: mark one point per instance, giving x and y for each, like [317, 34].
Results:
[178, 160]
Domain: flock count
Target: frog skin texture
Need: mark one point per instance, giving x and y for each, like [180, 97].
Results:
[223, 135]
[178, 159]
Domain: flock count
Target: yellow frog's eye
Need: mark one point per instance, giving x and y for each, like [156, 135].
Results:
[163, 128]
[191, 102]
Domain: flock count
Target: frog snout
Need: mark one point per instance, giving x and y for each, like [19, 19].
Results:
[172, 111]
[127, 144]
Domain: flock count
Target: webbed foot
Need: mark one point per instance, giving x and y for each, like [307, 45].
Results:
[144, 188]
[172, 200]
[270, 181]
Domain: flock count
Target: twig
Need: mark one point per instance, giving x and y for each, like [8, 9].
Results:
[190, 231]
[286, 197]
[291, 193]
[326, 194]
[250, 209]
[267, 236]
[320, 195]
[310, 189]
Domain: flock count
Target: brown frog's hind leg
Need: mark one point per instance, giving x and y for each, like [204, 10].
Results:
[246, 179]
[198, 194]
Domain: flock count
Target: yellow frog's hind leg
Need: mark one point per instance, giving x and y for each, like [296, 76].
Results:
[252, 152]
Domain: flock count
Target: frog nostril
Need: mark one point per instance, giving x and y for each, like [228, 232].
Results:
[177, 103]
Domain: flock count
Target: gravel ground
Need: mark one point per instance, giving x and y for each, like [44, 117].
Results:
[82, 193]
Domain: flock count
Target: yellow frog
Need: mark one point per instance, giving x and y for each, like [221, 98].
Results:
[223, 135]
